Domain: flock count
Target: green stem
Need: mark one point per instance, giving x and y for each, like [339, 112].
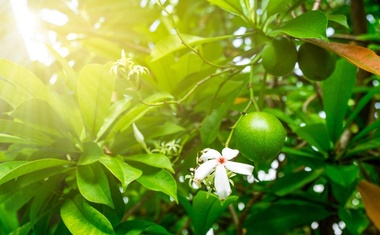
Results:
[262, 90]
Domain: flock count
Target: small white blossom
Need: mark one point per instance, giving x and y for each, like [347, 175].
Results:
[138, 135]
[220, 163]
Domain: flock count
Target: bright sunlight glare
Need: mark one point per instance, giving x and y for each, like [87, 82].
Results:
[27, 24]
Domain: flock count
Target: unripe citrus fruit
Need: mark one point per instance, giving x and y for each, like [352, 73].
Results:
[279, 56]
[316, 63]
[259, 136]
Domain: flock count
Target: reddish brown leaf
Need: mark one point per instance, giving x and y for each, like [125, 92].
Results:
[357, 55]
[370, 194]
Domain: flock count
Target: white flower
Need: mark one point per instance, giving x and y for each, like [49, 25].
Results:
[213, 160]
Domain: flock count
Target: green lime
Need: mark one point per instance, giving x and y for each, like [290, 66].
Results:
[259, 136]
[279, 56]
[316, 63]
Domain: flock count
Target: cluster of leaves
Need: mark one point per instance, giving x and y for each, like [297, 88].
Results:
[70, 162]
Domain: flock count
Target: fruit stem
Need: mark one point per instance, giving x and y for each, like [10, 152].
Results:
[251, 94]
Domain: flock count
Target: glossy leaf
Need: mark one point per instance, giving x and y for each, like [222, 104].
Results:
[12, 94]
[95, 87]
[340, 19]
[337, 90]
[121, 170]
[316, 135]
[23, 80]
[14, 169]
[207, 208]
[30, 112]
[277, 219]
[159, 180]
[155, 160]
[362, 57]
[355, 220]
[343, 175]
[370, 194]
[276, 6]
[173, 43]
[91, 153]
[93, 184]
[311, 24]
[291, 182]
[229, 5]
[21, 130]
[136, 227]
[81, 218]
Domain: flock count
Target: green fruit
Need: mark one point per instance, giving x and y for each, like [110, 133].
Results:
[259, 136]
[316, 63]
[279, 56]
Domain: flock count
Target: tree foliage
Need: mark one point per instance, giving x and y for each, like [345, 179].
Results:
[109, 145]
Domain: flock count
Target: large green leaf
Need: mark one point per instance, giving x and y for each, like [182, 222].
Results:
[91, 153]
[137, 227]
[38, 114]
[95, 87]
[311, 24]
[173, 43]
[279, 218]
[155, 160]
[291, 182]
[93, 184]
[342, 175]
[159, 180]
[12, 170]
[122, 171]
[232, 6]
[21, 130]
[337, 90]
[206, 209]
[316, 135]
[8, 220]
[12, 94]
[23, 80]
[81, 218]
[355, 220]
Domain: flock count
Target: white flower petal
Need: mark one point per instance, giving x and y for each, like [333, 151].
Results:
[230, 153]
[222, 185]
[204, 170]
[239, 168]
[209, 154]
[138, 135]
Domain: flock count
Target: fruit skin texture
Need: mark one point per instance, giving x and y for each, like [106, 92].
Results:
[259, 136]
[279, 56]
[316, 63]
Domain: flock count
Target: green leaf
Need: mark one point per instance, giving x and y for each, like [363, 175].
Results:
[316, 135]
[12, 170]
[91, 153]
[72, 77]
[278, 219]
[363, 147]
[276, 6]
[211, 124]
[38, 114]
[232, 6]
[294, 181]
[95, 87]
[337, 90]
[207, 208]
[8, 220]
[340, 19]
[137, 227]
[81, 218]
[93, 184]
[21, 130]
[374, 126]
[356, 221]
[23, 80]
[311, 24]
[342, 175]
[121, 170]
[155, 160]
[173, 43]
[159, 180]
[103, 47]
[12, 94]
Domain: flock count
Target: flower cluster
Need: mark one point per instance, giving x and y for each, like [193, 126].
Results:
[219, 165]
